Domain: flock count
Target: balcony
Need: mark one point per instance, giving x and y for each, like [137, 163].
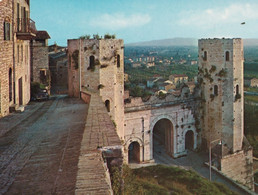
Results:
[25, 29]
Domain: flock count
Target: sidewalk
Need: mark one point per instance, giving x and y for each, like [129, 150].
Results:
[9, 122]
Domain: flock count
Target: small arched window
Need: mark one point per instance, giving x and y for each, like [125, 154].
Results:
[227, 56]
[237, 90]
[107, 104]
[205, 56]
[92, 61]
[215, 90]
[118, 61]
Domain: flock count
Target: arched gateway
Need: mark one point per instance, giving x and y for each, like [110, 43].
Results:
[163, 136]
[134, 152]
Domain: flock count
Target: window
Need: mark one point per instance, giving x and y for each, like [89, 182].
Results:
[7, 31]
[118, 61]
[237, 90]
[10, 85]
[107, 104]
[22, 53]
[92, 61]
[227, 56]
[215, 90]
[18, 53]
[205, 56]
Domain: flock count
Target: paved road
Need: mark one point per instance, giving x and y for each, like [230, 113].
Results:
[40, 154]
[193, 161]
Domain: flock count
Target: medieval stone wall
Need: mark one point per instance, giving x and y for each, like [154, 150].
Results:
[39, 58]
[98, 66]
[6, 57]
[239, 167]
[141, 117]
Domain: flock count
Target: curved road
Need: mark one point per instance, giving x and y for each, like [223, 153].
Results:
[40, 154]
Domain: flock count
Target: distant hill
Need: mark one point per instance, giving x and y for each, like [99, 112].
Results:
[167, 42]
[183, 42]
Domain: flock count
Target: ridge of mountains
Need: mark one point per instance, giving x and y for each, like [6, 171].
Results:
[183, 42]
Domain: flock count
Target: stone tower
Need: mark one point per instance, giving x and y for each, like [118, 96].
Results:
[222, 112]
[221, 78]
[97, 65]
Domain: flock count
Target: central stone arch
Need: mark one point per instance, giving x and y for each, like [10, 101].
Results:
[163, 134]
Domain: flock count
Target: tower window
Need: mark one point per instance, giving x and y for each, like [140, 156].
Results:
[107, 104]
[215, 90]
[205, 56]
[118, 61]
[92, 63]
[237, 90]
[227, 56]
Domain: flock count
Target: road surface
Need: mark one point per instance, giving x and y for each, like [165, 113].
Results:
[40, 154]
[193, 161]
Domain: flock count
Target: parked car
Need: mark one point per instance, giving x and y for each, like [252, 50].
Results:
[41, 95]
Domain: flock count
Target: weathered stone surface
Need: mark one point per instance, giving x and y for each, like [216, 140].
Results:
[99, 139]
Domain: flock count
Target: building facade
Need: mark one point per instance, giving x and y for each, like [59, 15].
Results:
[16, 32]
[39, 59]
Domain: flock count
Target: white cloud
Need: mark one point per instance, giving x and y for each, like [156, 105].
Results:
[119, 21]
[233, 14]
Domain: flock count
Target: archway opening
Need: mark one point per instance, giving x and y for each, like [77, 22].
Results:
[162, 138]
[189, 140]
[134, 152]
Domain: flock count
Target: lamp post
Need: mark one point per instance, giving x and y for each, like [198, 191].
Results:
[211, 142]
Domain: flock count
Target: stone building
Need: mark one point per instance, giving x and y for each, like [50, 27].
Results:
[98, 66]
[210, 116]
[39, 59]
[222, 111]
[178, 79]
[58, 65]
[16, 31]
[251, 82]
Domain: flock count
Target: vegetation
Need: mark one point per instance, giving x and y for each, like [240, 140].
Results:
[251, 123]
[251, 69]
[108, 36]
[162, 179]
[85, 37]
[137, 91]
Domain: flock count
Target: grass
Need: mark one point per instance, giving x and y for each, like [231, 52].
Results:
[162, 179]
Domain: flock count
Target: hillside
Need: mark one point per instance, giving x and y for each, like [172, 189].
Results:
[183, 42]
[160, 179]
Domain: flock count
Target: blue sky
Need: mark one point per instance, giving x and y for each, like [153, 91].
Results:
[144, 20]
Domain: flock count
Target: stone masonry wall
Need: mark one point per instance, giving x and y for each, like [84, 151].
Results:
[222, 113]
[39, 57]
[22, 60]
[103, 77]
[178, 112]
[6, 57]
[239, 167]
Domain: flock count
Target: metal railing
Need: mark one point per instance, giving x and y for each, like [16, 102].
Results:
[25, 25]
